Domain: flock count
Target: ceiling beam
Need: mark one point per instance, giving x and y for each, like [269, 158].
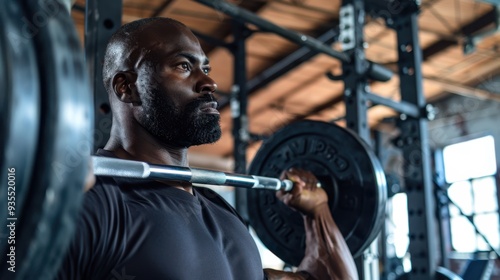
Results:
[224, 30]
[161, 8]
[480, 23]
[466, 30]
[467, 91]
[437, 47]
[284, 65]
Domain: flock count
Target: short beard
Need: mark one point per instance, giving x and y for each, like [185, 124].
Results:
[176, 127]
[200, 128]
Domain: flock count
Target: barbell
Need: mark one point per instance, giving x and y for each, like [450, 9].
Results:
[47, 138]
[345, 166]
[105, 166]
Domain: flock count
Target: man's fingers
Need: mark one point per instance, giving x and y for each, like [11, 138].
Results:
[280, 194]
[284, 197]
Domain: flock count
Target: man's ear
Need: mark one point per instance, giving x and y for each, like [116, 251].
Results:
[124, 87]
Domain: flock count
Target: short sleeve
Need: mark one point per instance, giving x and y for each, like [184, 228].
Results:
[102, 236]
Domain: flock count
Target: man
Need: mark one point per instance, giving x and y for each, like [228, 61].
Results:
[162, 100]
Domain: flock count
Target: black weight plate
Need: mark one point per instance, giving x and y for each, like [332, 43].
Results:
[47, 224]
[347, 169]
[20, 102]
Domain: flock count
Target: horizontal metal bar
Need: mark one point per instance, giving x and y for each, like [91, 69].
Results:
[403, 107]
[289, 62]
[378, 72]
[244, 16]
[105, 166]
[281, 67]
[211, 40]
[169, 173]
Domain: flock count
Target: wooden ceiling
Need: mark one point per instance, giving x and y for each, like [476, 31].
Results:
[305, 92]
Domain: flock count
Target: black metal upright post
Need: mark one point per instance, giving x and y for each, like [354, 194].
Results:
[102, 19]
[415, 147]
[352, 20]
[239, 111]
[442, 209]
[354, 73]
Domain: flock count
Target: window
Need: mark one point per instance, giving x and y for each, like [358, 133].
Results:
[399, 220]
[469, 159]
[470, 168]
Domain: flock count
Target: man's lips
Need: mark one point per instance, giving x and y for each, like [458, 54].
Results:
[209, 108]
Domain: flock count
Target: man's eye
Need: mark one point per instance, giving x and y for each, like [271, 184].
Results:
[184, 66]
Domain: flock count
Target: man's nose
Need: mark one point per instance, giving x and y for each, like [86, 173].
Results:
[206, 85]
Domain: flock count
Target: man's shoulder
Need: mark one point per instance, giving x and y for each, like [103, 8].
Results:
[104, 184]
[105, 193]
[213, 196]
[218, 200]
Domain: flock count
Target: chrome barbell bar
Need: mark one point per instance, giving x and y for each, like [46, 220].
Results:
[105, 166]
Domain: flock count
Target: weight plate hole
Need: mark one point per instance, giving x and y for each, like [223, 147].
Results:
[108, 23]
[105, 108]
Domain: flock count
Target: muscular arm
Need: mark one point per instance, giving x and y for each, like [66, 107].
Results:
[327, 255]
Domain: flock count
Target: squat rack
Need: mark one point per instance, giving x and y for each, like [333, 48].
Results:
[102, 18]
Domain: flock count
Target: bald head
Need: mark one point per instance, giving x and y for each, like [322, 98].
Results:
[130, 43]
[156, 75]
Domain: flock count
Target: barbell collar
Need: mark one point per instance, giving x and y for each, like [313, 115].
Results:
[104, 166]
[272, 183]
